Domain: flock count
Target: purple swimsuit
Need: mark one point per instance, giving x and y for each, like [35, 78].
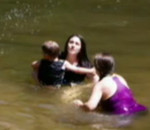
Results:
[122, 102]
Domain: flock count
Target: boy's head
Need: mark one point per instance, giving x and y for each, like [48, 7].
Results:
[104, 64]
[51, 48]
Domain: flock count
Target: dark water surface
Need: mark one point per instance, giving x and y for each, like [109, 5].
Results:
[117, 26]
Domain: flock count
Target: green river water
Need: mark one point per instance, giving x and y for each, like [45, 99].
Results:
[121, 27]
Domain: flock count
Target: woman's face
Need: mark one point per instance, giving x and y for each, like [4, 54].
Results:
[74, 45]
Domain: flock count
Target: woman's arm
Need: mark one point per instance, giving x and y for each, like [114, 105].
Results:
[80, 70]
[94, 99]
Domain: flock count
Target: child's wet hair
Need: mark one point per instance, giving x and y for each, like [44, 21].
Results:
[51, 48]
[104, 64]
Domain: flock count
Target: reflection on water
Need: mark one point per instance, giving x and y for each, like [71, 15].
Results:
[97, 121]
[118, 26]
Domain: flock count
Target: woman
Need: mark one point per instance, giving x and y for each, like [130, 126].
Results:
[75, 53]
[112, 92]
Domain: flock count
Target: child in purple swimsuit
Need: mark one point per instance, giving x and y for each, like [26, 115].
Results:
[112, 92]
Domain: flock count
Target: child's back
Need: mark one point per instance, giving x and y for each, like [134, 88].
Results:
[51, 72]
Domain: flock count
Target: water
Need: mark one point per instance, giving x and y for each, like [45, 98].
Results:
[117, 26]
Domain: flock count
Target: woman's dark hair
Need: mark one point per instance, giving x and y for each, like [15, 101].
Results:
[104, 64]
[82, 56]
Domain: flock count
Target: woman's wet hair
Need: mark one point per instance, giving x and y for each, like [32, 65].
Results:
[82, 56]
[104, 64]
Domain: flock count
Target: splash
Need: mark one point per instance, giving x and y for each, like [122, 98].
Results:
[25, 17]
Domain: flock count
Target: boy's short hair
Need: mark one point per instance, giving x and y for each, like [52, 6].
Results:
[51, 48]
